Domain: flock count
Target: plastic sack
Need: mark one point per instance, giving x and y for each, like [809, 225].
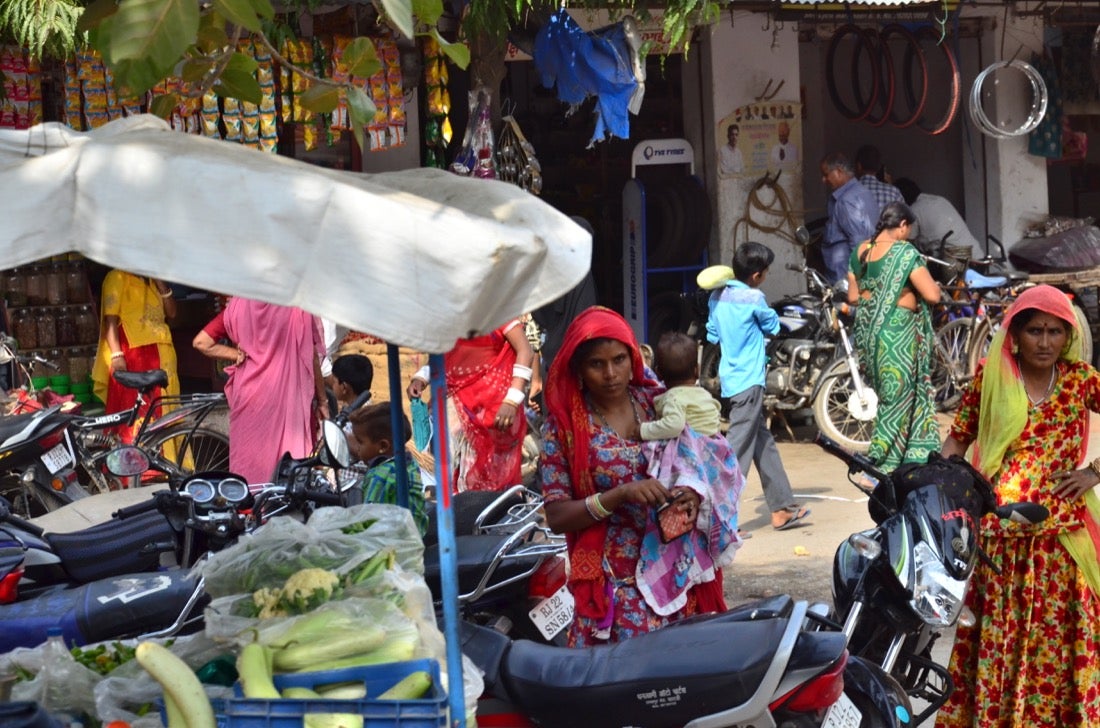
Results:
[130, 694]
[284, 545]
[60, 682]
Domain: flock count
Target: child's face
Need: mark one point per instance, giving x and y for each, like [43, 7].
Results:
[365, 448]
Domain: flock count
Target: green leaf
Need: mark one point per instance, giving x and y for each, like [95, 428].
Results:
[263, 8]
[196, 70]
[458, 53]
[164, 104]
[361, 110]
[135, 77]
[96, 13]
[428, 11]
[400, 15]
[242, 63]
[361, 58]
[320, 98]
[212, 35]
[239, 12]
[156, 32]
[239, 85]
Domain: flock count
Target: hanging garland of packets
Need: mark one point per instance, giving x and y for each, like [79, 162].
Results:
[437, 124]
[90, 98]
[21, 104]
[324, 57]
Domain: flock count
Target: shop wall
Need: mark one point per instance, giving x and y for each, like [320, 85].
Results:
[739, 55]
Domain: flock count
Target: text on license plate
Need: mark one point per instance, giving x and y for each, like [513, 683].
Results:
[843, 714]
[57, 457]
[554, 613]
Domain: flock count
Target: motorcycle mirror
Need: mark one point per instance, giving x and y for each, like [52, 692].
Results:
[335, 451]
[802, 235]
[1029, 514]
[127, 461]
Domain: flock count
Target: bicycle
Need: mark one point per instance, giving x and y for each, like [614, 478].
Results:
[178, 443]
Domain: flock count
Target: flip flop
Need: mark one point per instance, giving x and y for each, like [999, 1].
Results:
[794, 520]
[743, 535]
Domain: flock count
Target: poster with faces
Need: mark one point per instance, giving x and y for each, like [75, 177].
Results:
[760, 137]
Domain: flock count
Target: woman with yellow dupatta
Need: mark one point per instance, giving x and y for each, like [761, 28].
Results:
[133, 337]
[1033, 656]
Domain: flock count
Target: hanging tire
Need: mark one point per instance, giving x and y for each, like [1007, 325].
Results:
[831, 414]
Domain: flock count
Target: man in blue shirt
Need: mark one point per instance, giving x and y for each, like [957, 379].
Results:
[739, 319]
[853, 213]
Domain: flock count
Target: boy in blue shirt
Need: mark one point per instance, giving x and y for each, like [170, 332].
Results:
[739, 319]
[374, 444]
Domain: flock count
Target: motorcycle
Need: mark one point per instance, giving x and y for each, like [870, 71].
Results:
[131, 576]
[898, 587]
[512, 570]
[764, 663]
[810, 363]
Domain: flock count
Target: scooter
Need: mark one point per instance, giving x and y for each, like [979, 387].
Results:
[901, 585]
[762, 664]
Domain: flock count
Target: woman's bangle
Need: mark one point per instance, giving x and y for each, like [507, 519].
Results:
[167, 294]
[522, 372]
[600, 506]
[594, 510]
[515, 396]
[117, 354]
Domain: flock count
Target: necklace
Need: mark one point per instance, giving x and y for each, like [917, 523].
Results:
[1049, 389]
[599, 413]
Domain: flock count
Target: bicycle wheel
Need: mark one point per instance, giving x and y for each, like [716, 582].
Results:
[951, 363]
[980, 339]
[831, 413]
[191, 450]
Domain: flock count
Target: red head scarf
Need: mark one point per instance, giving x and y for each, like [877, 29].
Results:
[565, 404]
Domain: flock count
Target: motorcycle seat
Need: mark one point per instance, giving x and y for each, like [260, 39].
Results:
[474, 554]
[20, 428]
[122, 606]
[677, 674]
[768, 608]
[117, 546]
[142, 381]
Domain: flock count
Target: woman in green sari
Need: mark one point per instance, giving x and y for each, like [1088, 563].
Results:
[892, 288]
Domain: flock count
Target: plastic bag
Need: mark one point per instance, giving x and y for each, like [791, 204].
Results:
[60, 682]
[283, 545]
[129, 693]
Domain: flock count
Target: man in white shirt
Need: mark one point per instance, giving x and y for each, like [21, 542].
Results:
[730, 160]
[936, 217]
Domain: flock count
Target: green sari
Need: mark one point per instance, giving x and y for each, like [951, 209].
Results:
[896, 348]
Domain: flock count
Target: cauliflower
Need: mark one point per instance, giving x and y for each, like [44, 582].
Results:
[307, 589]
[267, 603]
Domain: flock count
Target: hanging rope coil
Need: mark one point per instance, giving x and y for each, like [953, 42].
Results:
[778, 208]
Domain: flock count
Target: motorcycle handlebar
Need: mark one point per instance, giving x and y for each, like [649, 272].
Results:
[345, 414]
[855, 461]
[136, 509]
[325, 498]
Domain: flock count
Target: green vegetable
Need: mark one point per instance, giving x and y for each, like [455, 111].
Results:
[359, 527]
[412, 686]
[335, 646]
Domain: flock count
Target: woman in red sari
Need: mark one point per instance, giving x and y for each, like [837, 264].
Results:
[486, 391]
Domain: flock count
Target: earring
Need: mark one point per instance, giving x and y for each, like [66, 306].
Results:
[1015, 349]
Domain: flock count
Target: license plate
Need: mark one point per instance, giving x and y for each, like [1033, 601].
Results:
[57, 457]
[843, 714]
[554, 613]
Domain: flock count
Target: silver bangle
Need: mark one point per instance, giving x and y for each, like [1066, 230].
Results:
[518, 370]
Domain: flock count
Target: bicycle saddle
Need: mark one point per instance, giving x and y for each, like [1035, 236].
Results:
[974, 279]
[142, 380]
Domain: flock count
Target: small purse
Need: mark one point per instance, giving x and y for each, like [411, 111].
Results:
[672, 523]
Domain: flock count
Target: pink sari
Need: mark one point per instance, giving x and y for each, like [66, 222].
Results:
[271, 392]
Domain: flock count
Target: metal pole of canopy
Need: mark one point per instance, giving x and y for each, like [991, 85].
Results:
[448, 559]
[397, 424]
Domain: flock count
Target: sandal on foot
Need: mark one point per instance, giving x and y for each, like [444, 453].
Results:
[795, 520]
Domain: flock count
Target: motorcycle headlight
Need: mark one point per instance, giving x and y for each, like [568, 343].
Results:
[937, 596]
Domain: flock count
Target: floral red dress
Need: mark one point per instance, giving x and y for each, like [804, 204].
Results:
[615, 461]
[1033, 658]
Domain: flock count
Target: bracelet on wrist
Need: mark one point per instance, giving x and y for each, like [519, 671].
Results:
[515, 396]
[521, 372]
[599, 506]
[593, 512]
[117, 355]
[166, 294]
